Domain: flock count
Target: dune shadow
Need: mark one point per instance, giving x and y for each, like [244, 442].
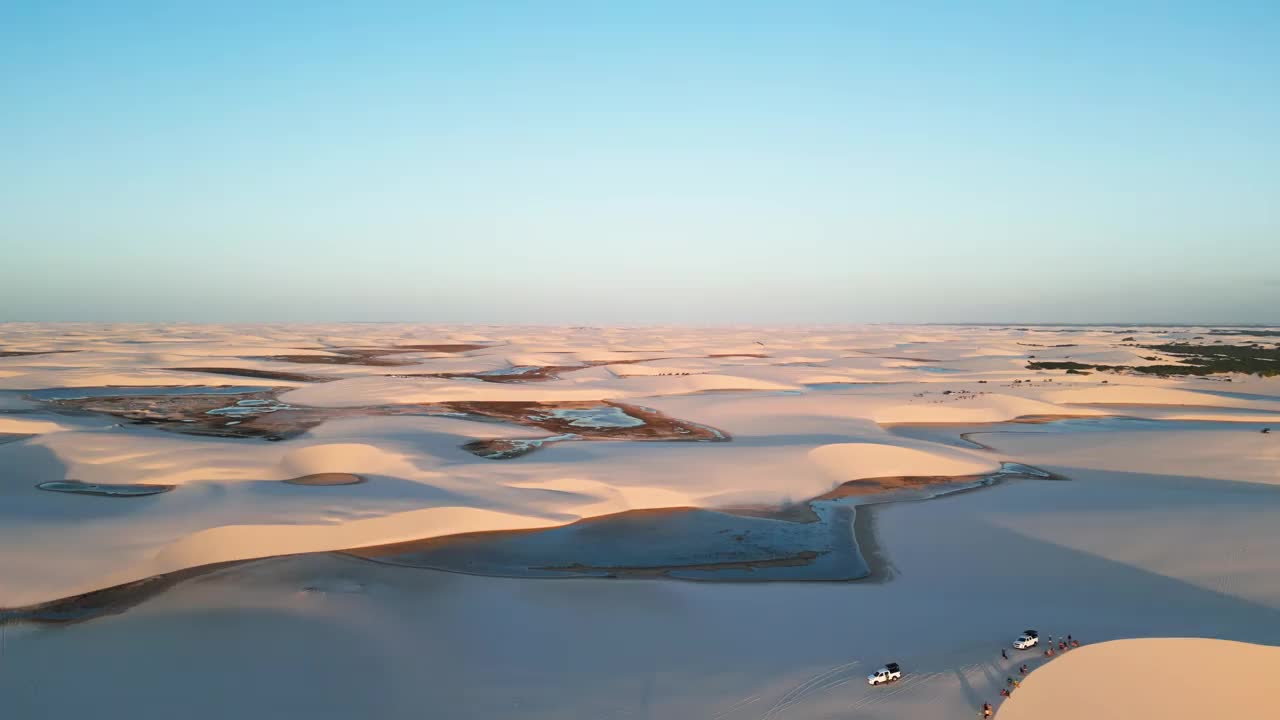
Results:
[374, 487]
[26, 465]
[1137, 602]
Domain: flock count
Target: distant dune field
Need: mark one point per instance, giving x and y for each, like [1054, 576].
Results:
[395, 503]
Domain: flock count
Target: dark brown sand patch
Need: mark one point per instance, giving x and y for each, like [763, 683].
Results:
[895, 489]
[511, 448]
[517, 375]
[337, 359]
[242, 415]
[371, 356]
[253, 373]
[28, 353]
[440, 347]
[326, 479]
[881, 485]
[894, 484]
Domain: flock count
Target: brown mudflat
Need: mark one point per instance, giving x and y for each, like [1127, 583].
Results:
[533, 374]
[879, 485]
[342, 359]
[441, 347]
[570, 421]
[26, 353]
[370, 356]
[261, 415]
[571, 417]
[539, 373]
[253, 373]
[197, 414]
[324, 479]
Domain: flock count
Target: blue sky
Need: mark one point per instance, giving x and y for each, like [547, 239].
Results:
[690, 162]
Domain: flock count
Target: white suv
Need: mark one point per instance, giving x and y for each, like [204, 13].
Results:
[1027, 640]
[888, 673]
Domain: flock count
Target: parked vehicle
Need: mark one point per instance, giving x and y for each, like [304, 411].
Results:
[1027, 640]
[888, 673]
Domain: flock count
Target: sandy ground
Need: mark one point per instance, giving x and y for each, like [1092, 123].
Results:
[1138, 678]
[1171, 496]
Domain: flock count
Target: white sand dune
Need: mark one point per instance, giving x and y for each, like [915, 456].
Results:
[852, 461]
[961, 409]
[27, 426]
[1167, 678]
[344, 457]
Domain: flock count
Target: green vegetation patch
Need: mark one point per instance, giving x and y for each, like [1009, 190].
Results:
[1252, 333]
[1197, 360]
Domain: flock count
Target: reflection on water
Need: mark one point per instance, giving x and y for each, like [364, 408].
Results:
[250, 407]
[517, 370]
[605, 416]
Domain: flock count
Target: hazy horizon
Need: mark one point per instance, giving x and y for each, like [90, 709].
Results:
[671, 163]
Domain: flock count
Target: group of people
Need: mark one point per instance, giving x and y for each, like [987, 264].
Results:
[1012, 683]
[1064, 644]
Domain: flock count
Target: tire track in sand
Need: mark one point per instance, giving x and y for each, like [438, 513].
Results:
[808, 687]
[736, 707]
[877, 697]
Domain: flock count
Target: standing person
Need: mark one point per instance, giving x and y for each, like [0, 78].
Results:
[1003, 655]
[986, 710]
